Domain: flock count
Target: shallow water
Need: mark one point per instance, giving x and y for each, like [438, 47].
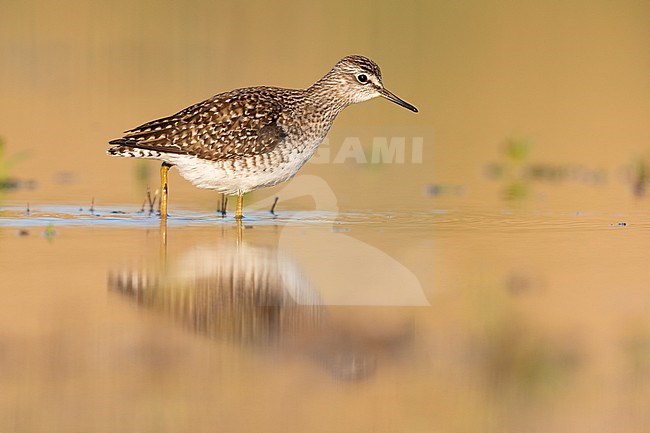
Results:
[481, 266]
[450, 319]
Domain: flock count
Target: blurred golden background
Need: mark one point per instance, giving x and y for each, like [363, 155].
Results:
[525, 225]
[569, 78]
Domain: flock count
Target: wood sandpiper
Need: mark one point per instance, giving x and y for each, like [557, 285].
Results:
[238, 141]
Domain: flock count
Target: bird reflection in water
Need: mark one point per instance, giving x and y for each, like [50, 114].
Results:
[254, 296]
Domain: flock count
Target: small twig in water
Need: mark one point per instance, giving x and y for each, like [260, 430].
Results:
[150, 201]
[147, 198]
[275, 202]
[155, 195]
[223, 205]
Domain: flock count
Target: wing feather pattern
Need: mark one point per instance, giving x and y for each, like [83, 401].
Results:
[243, 122]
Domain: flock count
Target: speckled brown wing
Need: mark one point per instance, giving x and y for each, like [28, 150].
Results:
[229, 125]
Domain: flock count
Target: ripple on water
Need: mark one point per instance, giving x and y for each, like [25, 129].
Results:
[437, 219]
[539, 221]
[14, 216]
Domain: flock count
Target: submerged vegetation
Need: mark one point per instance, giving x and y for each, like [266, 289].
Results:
[7, 163]
[519, 173]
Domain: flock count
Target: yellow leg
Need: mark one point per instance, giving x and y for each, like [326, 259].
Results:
[240, 202]
[164, 168]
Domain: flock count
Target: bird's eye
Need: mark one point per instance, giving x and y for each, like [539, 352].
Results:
[362, 78]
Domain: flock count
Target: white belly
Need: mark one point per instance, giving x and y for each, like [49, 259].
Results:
[240, 175]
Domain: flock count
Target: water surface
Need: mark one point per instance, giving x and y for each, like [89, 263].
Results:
[313, 321]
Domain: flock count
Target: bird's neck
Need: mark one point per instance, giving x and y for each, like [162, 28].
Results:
[327, 95]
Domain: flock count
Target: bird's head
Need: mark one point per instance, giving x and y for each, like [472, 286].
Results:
[360, 80]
